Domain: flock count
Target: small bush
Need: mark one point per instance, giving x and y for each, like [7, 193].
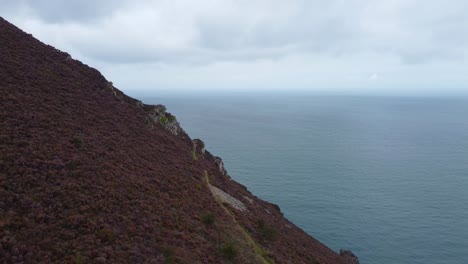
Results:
[77, 142]
[72, 165]
[208, 219]
[312, 260]
[78, 259]
[266, 231]
[163, 120]
[229, 251]
[106, 235]
[171, 118]
[168, 253]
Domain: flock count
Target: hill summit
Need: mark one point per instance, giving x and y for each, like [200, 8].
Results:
[90, 175]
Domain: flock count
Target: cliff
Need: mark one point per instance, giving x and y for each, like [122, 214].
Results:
[90, 175]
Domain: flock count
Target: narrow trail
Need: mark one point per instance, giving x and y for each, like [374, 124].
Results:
[259, 251]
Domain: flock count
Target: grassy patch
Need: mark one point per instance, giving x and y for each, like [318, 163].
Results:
[168, 254]
[208, 219]
[194, 155]
[245, 243]
[72, 165]
[78, 259]
[163, 120]
[261, 253]
[77, 142]
[106, 235]
[229, 251]
[266, 231]
[171, 118]
[312, 260]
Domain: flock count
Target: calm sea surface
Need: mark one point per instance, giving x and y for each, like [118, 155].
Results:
[386, 177]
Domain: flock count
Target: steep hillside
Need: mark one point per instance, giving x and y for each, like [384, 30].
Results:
[90, 175]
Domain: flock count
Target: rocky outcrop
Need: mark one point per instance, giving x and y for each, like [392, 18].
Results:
[199, 146]
[158, 115]
[224, 197]
[199, 150]
[219, 162]
[349, 256]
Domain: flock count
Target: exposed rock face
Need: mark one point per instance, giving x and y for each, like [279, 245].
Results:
[219, 162]
[159, 116]
[199, 146]
[90, 175]
[227, 198]
[171, 124]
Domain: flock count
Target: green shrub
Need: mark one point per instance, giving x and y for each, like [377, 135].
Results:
[229, 251]
[312, 260]
[78, 259]
[163, 120]
[168, 253]
[72, 165]
[208, 219]
[266, 231]
[106, 235]
[77, 142]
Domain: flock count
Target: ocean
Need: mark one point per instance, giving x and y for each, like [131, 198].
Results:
[386, 177]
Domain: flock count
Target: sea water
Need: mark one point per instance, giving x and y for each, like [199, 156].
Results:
[386, 177]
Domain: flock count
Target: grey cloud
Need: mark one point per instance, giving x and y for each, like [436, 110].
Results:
[334, 27]
[58, 11]
[303, 28]
[346, 38]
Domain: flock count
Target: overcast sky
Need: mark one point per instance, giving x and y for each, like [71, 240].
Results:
[405, 46]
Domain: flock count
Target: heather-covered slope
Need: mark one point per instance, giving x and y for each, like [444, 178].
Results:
[89, 175]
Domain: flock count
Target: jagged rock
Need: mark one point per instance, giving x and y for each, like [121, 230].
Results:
[277, 208]
[249, 199]
[158, 115]
[172, 126]
[199, 146]
[139, 104]
[219, 162]
[160, 109]
[349, 256]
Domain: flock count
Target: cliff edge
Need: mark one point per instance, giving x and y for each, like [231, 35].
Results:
[90, 175]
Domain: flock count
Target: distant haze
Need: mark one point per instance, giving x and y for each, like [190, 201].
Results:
[357, 46]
